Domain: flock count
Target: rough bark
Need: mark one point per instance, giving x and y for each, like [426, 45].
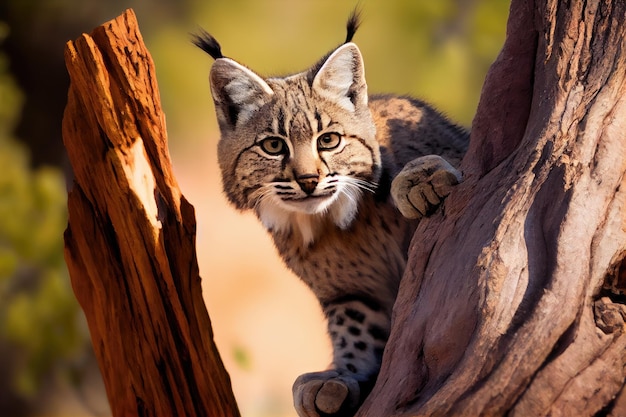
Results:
[130, 242]
[510, 304]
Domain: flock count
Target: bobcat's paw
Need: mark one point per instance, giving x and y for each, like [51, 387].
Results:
[326, 393]
[422, 185]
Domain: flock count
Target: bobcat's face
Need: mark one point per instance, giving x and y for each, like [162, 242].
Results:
[304, 144]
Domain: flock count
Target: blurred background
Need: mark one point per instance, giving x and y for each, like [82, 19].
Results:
[267, 325]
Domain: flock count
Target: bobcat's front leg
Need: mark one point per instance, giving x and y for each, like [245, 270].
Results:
[422, 185]
[359, 332]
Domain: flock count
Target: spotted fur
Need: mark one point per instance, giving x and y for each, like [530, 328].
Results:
[314, 157]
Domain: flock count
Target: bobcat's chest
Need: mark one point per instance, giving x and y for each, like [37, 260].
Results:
[366, 259]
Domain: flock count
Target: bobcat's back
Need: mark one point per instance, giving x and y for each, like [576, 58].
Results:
[407, 128]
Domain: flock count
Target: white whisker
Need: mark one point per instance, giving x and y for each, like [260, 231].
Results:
[351, 192]
[358, 183]
[262, 194]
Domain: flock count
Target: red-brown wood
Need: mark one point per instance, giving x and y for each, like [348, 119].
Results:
[130, 241]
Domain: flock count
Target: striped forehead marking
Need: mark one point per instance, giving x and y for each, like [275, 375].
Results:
[295, 112]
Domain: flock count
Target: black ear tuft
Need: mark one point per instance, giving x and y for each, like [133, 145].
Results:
[205, 41]
[354, 21]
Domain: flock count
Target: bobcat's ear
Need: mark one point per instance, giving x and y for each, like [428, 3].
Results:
[341, 78]
[237, 92]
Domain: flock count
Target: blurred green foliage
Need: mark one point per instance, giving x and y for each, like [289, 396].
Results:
[40, 321]
[242, 357]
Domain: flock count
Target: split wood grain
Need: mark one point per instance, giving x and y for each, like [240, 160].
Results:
[130, 241]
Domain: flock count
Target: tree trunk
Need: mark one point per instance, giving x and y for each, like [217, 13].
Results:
[511, 302]
[130, 242]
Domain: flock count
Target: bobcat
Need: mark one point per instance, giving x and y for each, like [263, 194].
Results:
[340, 181]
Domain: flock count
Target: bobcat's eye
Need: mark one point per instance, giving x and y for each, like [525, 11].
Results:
[274, 146]
[328, 141]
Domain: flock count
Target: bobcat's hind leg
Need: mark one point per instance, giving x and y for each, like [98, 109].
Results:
[358, 331]
[422, 185]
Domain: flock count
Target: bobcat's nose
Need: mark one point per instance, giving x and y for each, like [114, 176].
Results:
[308, 182]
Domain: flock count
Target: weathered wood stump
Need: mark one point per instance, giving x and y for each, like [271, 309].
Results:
[130, 242]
